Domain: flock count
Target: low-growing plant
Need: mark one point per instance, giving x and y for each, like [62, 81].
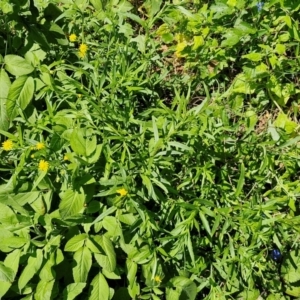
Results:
[132, 169]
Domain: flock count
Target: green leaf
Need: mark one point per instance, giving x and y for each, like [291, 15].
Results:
[5, 86]
[231, 3]
[77, 141]
[241, 180]
[44, 290]
[17, 65]
[11, 261]
[290, 268]
[31, 268]
[72, 290]
[253, 56]
[72, 203]
[220, 10]
[75, 242]
[6, 274]
[141, 42]
[108, 261]
[242, 85]
[46, 273]
[131, 271]
[282, 121]
[83, 259]
[188, 287]
[97, 4]
[13, 242]
[19, 95]
[205, 222]
[112, 226]
[83, 141]
[152, 7]
[280, 49]
[245, 28]
[7, 216]
[99, 288]
[232, 37]
[104, 214]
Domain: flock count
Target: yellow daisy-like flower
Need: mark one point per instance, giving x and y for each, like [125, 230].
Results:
[157, 279]
[73, 38]
[7, 145]
[82, 50]
[43, 165]
[40, 146]
[122, 192]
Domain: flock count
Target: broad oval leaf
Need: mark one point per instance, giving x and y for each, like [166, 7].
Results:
[19, 95]
[107, 246]
[17, 65]
[83, 259]
[75, 242]
[83, 141]
[73, 290]
[99, 288]
[44, 290]
[78, 142]
[72, 203]
[6, 274]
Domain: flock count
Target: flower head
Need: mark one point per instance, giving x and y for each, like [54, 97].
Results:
[66, 157]
[157, 279]
[276, 255]
[122, 192]
[43, 165]
[82, 50]
[259, 6]
[72, 37]
[40, 146]
[7, 145]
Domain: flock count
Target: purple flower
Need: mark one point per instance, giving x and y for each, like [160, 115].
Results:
[276, 255]
[259, 6]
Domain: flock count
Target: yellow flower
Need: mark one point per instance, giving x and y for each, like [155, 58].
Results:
[32, 155]
[43, 165]
[122, 192]
[40, 146]
[82, 50]
[7, 145]
[72, 38]
[157, 279]
[66, 157]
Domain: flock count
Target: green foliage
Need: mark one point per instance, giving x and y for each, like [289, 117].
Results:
[149, 149]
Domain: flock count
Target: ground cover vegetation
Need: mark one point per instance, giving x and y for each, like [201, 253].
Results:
[149, 149]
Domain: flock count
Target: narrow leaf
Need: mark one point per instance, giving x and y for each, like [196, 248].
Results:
[241, 180]
[5, 86]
